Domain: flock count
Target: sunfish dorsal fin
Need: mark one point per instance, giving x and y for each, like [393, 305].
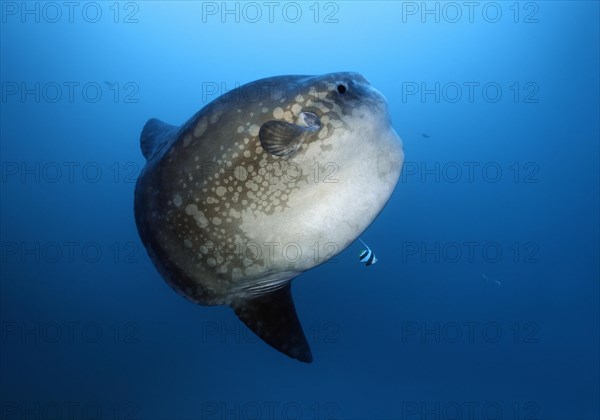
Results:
[154, 135]
[273, 318]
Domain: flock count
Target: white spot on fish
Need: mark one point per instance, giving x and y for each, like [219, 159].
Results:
[201, 221]
[221, 191]
[253, 130]
[241, 173]
[215, 116]
[200, 127]
[177, 200]
[323, 133]
[191, 209]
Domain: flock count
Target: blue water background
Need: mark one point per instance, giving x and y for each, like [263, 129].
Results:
[389, 341]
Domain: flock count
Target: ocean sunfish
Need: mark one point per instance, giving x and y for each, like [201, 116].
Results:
[267, 181]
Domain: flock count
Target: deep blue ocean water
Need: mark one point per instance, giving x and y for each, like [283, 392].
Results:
[484, 303]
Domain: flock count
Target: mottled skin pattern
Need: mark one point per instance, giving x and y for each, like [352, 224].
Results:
[223, 219]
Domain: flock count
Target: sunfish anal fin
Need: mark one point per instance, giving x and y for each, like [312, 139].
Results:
[273, 318]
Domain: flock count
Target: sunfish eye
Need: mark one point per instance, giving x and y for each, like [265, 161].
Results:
[342, 87]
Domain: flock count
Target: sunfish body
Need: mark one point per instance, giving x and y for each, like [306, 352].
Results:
[267, 181]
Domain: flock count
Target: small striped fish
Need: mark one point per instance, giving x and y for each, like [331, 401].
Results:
[367, 256]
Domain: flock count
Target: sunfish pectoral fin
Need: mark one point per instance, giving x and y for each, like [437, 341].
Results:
[281, 138]
[154, 135]
[273, 318]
